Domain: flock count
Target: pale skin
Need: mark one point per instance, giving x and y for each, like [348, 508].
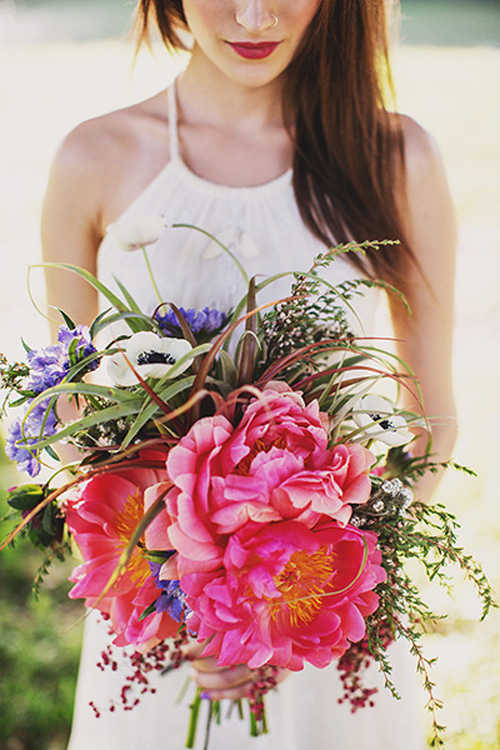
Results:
[229, 108]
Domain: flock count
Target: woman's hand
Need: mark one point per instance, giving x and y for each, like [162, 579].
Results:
[222, 682]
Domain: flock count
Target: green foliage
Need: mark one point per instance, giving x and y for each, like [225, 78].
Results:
[427, 533]
[46, 529]
[39, 647]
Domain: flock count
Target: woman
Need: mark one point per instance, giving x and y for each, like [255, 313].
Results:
[276, 140]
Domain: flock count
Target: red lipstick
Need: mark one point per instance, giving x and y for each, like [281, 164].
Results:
[252, 50]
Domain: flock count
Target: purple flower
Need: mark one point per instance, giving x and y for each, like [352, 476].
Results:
[48, 367]
[83, 347]
[39, 423]
[50, 364]
[172, 597]
[204, 323]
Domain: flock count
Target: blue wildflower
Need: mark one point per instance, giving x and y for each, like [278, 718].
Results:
[21, 434]
[83, 347]
[25, 460]
[172, 598]
[50, 364]
[203, 323]
[48, 367]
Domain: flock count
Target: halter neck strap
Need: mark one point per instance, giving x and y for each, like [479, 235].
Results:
[173, 129]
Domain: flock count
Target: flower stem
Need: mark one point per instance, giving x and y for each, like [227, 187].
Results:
[212, 711]
[254, 729]
[151, 276]
[193, 722]
[184, 689]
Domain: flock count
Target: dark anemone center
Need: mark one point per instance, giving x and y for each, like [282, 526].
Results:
[386, 424]
[153, 357]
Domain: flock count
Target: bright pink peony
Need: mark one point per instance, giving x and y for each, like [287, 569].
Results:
[102, 520]
[286, 594]
[274, 465]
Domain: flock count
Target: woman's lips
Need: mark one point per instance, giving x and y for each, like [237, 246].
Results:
[254, 51]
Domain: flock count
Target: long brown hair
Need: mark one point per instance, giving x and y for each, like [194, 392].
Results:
[349, 151]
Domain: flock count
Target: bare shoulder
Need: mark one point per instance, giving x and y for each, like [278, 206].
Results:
[423, 158]
[111, 135]
[426, 191]
[426, 201]
[109, 159]
[98, 171]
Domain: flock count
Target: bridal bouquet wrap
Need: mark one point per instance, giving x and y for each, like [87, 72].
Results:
[241, 483]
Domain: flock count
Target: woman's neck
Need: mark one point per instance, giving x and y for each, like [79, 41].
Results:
[231, 133]
[207, 95]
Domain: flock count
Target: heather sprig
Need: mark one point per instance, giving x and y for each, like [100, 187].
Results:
[299, 323]
[311, 314]
[416, 531]
[12, 376]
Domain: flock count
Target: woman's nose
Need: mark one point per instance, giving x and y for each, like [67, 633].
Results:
[255, 16]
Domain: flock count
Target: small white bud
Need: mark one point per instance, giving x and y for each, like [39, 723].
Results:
[136, 233]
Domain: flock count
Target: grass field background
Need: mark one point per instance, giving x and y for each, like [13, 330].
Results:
[61, 62]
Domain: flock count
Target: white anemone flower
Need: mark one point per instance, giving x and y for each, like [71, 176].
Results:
[150, 355]
[136, 233]
[376, 416]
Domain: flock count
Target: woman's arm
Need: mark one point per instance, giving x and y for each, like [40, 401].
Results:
[70, 226]
[425, 336]
[98, 171]
[71, 234]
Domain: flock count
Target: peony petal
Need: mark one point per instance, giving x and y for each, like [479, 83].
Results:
[156, 534]
[234, 516]
[359, 490]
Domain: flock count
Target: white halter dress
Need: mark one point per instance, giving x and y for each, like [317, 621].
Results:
[262, 227]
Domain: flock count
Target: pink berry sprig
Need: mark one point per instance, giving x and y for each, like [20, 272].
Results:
[265, 679]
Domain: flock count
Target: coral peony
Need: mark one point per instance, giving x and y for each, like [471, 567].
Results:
[274, 465]
[102, 520]
[286, 594]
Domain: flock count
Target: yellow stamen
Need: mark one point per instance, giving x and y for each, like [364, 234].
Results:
[302, 583]
[133, 511]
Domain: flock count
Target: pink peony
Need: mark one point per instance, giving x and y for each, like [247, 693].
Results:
[286, 594]
[275, 465]
[102, 520]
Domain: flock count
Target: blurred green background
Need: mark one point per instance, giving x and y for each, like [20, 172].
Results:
[440, 22]
[62, 61]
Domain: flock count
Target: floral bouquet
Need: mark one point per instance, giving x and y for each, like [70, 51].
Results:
[240, 484]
